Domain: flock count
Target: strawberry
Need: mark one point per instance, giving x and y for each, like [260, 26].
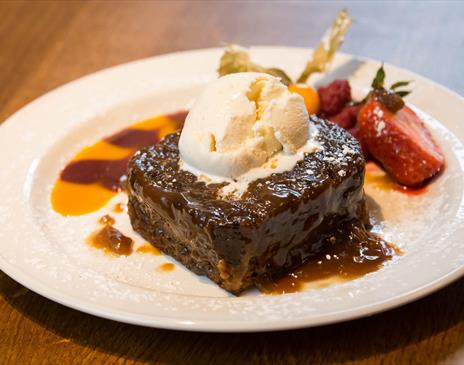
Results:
[400, 141]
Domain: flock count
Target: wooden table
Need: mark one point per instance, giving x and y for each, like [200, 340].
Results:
[46, 44]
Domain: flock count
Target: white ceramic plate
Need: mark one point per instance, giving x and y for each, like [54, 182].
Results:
[46, 252]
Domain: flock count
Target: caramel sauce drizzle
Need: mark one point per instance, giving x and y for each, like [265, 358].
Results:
[166, 267]
[109, 239]
[148, 248]
[347, 258]
[381, 180]
[119, 208]
[106, 220]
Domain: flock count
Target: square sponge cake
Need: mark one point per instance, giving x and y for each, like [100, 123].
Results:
[278, 223]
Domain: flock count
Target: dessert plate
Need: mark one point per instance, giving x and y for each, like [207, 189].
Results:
[47, 253]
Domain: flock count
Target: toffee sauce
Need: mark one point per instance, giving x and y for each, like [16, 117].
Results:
[113, 241]
[343, 259]
[119, 208]
[166, 267]
[110, 239]
[98, 172]
[106, 220]
[148, 248]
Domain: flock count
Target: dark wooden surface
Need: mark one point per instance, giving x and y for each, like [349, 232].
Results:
[46, 44]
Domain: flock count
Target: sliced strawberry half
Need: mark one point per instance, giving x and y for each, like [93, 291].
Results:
[401, 142]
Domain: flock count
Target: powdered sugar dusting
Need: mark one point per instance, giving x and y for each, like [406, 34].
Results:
[379, 127]
[47, 252]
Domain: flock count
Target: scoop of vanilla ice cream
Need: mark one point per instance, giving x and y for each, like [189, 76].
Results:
[239, 122]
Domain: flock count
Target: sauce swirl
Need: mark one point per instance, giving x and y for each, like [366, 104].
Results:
[98, 172]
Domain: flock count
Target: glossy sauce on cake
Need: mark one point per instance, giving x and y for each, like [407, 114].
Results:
[279, 223]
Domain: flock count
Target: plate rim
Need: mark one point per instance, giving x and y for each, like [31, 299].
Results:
[232, 327]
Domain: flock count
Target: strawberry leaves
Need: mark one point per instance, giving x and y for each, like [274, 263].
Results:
[390, 97]
[379, 78]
